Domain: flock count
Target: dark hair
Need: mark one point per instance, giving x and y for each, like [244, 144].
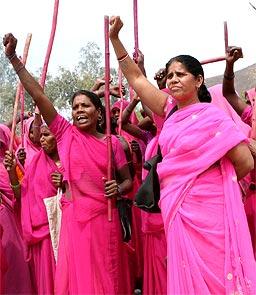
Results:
[95, 100]
[194, 67]
[91, 95]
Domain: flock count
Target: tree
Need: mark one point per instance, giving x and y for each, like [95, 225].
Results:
[58, 88]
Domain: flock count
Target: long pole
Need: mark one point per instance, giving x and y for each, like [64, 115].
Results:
[50, 44]
[121, 99]
[211, 60]
[107, 106]
[226, 36]
[136, 35]
[17, 96]
[22, 91]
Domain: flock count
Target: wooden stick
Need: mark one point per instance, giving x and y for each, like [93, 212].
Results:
[253, 130]
[17, 96]
[22, 91]
[226, 36]
[211, 60]
[50, 44]
[121, 99]
[107, 106]
[136, 37]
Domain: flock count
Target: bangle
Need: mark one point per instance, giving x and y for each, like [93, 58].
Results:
[123, 57]
[21, 67]
[12, 56]
[229, 77]
[15, 186]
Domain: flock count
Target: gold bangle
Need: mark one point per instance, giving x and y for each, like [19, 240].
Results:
[122, 58]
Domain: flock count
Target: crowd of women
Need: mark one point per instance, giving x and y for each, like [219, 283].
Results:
[55, 233]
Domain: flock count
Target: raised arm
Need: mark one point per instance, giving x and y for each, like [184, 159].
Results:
[148, 93]
[30, 84]
[229, 92]
[126, 125]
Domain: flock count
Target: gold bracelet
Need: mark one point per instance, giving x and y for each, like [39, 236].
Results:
[122, 58]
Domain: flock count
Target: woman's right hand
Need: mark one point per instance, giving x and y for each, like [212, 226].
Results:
[233, 54]
[115, 26]
[9, 161]
[10, 43]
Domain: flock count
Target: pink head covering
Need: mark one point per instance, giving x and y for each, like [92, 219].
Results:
[250, 95]
[5, 135]
[117, 105]
[5, 189]
[30, 148]
[220, 101]
[34, 218]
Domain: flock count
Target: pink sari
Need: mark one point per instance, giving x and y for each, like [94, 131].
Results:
[209, 249]
[30, 148]
[15, 276]
[135, 250]
[251, 95]
[36, 186]
[243, 124]
[91, 252]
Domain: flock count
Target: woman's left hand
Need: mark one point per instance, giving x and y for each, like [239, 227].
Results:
[57, 179]
[111, 188]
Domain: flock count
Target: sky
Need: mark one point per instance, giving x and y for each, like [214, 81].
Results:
[166, 28]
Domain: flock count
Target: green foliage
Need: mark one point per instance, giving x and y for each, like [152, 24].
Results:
[58, 88]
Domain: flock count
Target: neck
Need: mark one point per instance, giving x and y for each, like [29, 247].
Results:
[187, 102]
[54, 156]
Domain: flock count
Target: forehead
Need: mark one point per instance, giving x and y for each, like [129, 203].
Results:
[176, 66]
[115, 109]
[45, 129]
[81, 98]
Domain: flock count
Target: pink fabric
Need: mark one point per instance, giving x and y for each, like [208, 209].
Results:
[30, 148]
[221, 102]
[5, 135]
[154, 242]
[16, 279]
[90, 258]
[36, 186]
[247, 115]
[250, 95]
[117, 104]
[208, 244]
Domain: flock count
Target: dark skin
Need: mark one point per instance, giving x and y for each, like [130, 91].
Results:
[232, 55]
[10, 165]
[49, 145]
[160, 78]
[79, 108]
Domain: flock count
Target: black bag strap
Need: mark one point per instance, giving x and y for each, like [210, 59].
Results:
[173, 110]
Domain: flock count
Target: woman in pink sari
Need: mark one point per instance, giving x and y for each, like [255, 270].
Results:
[15, 273]
[245, 110]
[209, 249]
[31, 142]
[42, 179]
[90, 258]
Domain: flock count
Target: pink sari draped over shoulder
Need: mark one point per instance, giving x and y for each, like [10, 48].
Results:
[221, 102]
[15, 274]
[90, 258]
[36, 186]
[209, 249]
